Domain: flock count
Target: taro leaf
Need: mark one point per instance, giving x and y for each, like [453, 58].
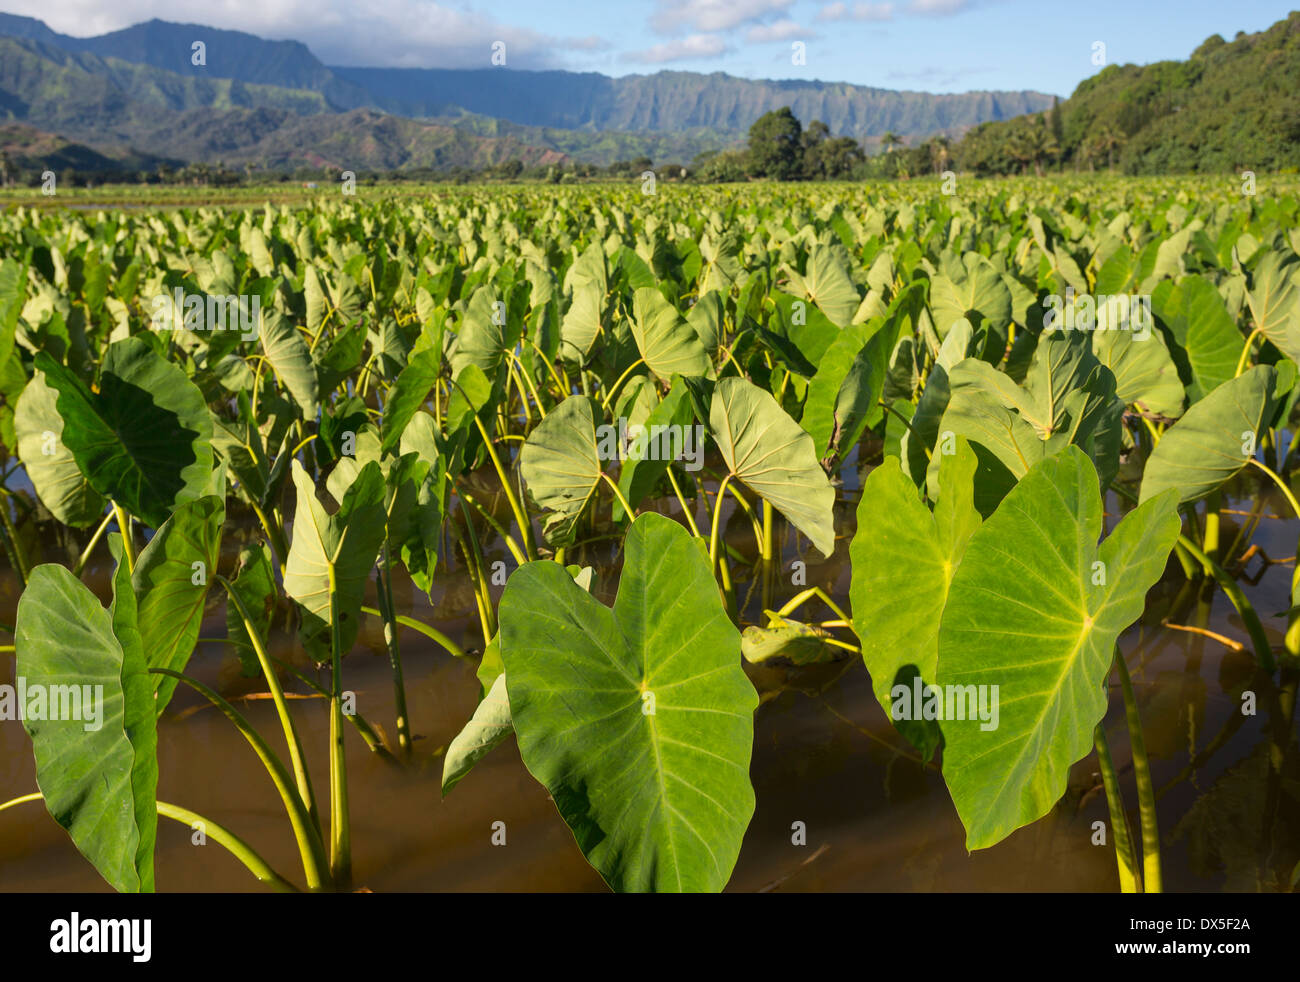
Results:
[828, 286]
[337, 358]
[638, 720]
[857, 404]
[581, 324]
[1274, 300]
[767, 450]
[489, 725]
[561, 465]
[485, 334]
[98, 776]
[408, 393]
[1068, 398]
[1035, 609]
[50, 465]
[1207, 339]
[824, 388]
[13, 294]
[639, 473]
[1144, 372]
[706, 319]
[667, 343]
[980, 296]
[255, 584]
[289, 355]
[145, 438]
[1214, 439]
[799, 644]
[171, 589]
[903, 560]
[341, 547]
[921, 435]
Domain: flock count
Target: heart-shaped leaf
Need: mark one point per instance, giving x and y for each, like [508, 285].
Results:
[1214, 439]
[1029, 631]
[767, 450]
[639, 719]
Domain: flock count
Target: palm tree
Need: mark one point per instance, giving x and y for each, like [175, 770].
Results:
[1109, 139]
[890, 139]
[940, 153]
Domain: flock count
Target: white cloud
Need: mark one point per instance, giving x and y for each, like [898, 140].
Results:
[937, 8]
[693, 46]
[781, 30]
[675, 16]
[398, 33]
[859, 11]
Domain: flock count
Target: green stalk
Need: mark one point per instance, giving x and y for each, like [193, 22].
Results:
[394, 653]
[301, 776]
[474, 559]
[686, 512]
[310, 848]
[340, 827]
[432, 633]
[1145, 789]
[1124, 859]
[1210, 541]
[90, 546]
[1292, 640]
[713, 531]
[233, 844]
[13, 546]
[521, 518]
[128, 541]
[1232, 590]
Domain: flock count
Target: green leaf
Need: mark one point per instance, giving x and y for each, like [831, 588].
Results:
[561, 465]
[50, 465]
[1035, 609]
[343, 545]
[897, 618]
[827, 284]
[408, 394]
[171, 591]
[979, 296]
[145, 438]
[289, 355]
[1208, 341]
[767, 450]
[98, 776]
[799, 644]
[1274, 300]
[1144, 372]
[656, 800]
[639, 475]
[255, 584]
[667, 343]
[490, 724]
[1214, 440]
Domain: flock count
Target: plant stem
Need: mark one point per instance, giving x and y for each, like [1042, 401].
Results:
[90, 546]
[1145, 789]
[394, 653]
[233, 844]
[521, 517]
[13, 546]
[315, 867]
[1124, 859]
[429, 632]
[340, 827]
[301, 776]
[128, 542]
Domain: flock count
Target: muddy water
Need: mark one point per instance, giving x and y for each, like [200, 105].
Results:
[824, 755]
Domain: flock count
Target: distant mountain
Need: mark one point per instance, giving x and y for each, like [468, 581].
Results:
[676, 101]
[118, 89]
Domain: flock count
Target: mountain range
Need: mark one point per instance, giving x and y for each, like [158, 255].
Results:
[134, 95]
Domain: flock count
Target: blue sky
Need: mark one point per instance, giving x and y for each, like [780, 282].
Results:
[930, 45]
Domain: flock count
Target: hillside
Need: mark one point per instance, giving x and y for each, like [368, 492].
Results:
[1231, 105]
